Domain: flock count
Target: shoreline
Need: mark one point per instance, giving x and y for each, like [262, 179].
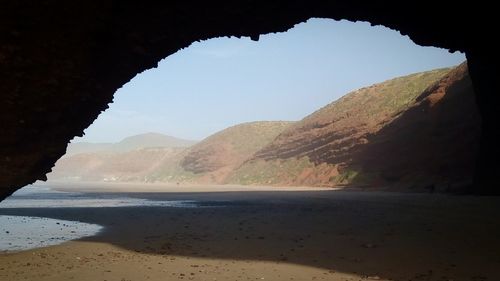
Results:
[275, 235]
[170, 187]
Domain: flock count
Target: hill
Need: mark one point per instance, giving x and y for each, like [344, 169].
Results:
[87, 147]
[419, 129]
[151, 140]
[128, 144]
[135, 165]
[131, 159]
[209, 161]
[212, 159]
[415, 132]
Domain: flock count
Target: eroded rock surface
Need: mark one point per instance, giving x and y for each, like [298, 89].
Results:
[61, 62]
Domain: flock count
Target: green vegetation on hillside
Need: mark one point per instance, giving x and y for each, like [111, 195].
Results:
[378, 100]
[326, 148]
[328, 135]
[245, 138]
[231, 146]
[269, 172]
[171, 171]
[214, 157]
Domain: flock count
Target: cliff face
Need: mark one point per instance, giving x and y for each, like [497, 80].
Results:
[327, 134]
[61, 62]
[433, 144]
[421, 129]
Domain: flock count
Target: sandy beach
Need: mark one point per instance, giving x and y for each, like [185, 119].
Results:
[267, 233]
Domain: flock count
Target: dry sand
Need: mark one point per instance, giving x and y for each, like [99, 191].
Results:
[263, 234]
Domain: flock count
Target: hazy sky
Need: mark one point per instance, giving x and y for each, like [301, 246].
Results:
[225, 81]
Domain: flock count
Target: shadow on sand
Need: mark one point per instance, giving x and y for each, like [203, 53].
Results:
[394, 236]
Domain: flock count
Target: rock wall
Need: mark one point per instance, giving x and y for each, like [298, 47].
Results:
[61, 62]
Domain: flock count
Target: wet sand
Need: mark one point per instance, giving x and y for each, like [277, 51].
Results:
[20, 233]
[274, 235]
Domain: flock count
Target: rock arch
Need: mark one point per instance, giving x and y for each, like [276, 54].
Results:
[61, 62]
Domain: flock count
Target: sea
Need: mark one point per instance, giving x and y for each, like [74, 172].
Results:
[18, 233]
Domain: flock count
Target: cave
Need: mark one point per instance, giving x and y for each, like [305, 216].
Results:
[61, 62]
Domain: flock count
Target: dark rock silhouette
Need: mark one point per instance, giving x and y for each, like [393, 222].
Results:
[60, 63]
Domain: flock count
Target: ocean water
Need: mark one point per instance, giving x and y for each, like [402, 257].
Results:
[34, 196]
[22, 233]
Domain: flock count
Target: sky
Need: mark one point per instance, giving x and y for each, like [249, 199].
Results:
[221, 82]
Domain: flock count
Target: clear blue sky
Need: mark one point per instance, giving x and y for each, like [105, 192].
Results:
[225, 81]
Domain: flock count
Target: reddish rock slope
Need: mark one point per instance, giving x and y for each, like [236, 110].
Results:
[419, 129]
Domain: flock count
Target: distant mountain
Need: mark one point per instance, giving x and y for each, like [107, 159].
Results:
[131, 159]
[86, 147]
[151, 140]
[419, 130]
[129, 144]
[148, 157]
[134, 165]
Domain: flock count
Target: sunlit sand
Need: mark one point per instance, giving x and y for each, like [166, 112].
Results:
[266, 233]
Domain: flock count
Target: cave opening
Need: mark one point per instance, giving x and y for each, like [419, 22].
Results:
[350, 235]
[219, 84]
[79, 50]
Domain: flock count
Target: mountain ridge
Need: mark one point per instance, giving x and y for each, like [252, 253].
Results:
[411, 132]
[129, 143]
[348, 142]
